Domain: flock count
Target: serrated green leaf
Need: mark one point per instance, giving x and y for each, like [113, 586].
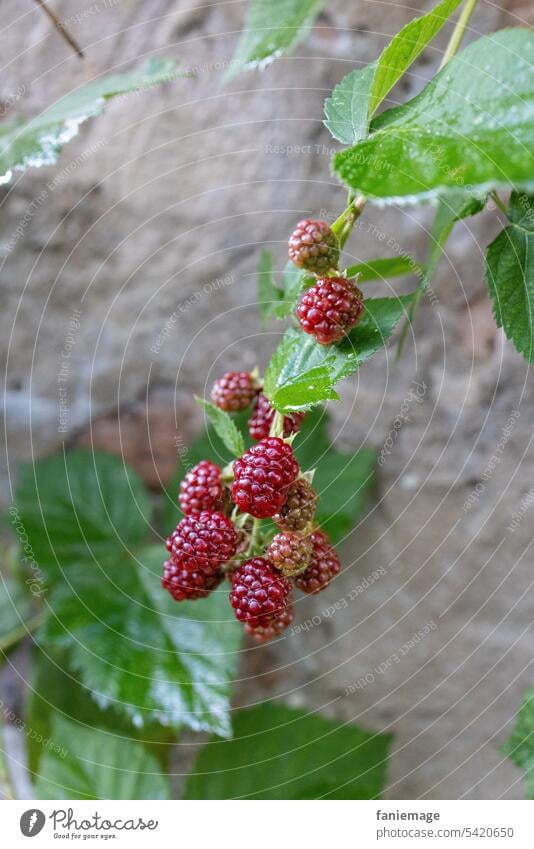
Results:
[357, 97]
[510, 275]
[289, 390]
[281, 753]
[470, 129]
[93, 763]
[272, 27]
[520, 746]
[80, 506]
[380, 269]
[269, 295]
[141, 653]
[38, 142]
[224, 427]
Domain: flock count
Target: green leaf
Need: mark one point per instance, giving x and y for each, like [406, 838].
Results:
[520, 746]
[272, 27]
[380, 269]
[359, 94]
[376, 325]
[91, 763]
[289, 391]
[280, 753]
[269, 295]
[38, 142]
[470, 129]
[140, 652]
[224, 427]
[81, 506]
[294, 281]
[510, 275]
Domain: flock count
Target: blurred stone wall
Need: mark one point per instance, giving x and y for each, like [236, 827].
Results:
[137, 267]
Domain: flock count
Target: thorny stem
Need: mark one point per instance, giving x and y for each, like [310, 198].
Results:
[458, 32]
[344, 224]
[60, 27]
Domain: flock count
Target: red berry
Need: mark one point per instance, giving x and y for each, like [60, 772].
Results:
[262, 477]
[259, 594]
[262, 633]
[234, 391]
[203, 541]
[201, 489]
[314, 246]
[186, 584]
[330, 308]
[324, 565]
[262, 416]
[290, 553]
[299, 509]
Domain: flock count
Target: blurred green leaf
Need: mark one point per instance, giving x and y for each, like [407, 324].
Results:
[92, 763]
[81, 506]
[272, 27]
[520, 746]
[140, 652]
[39, 142]
[15, 611]
[380, 269]
[269, 295]
[510, 275]
[280, 753]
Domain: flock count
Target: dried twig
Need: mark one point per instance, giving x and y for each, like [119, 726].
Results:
[60, 28]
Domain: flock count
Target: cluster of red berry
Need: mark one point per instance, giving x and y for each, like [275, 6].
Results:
[218, 535]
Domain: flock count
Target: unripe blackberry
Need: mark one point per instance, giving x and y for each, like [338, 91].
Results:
[201, 489]
[324, 566]
[234, 391]
[330, 308]
[262, 416]
[259, 594]
[289, 553]
[298, 511]
[203, 541]
[262, 477]
[314, 246]
[185, 584]
[262, 633]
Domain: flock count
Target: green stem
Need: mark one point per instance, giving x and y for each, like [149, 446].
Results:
[499, 203]
[17, 634]
[344, 224]
[458, 32]
[253, 536]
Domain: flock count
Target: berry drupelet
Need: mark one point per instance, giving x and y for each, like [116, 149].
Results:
[186, 584]
[314, 246]
[262, 477]
[298, 511]
[330, 308]
[203, 541]
[259, 594]
[262, 416]
[234, 391]
[290, 553]
[324, 565]
[201, 489]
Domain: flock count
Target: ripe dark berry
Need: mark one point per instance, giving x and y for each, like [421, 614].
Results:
[299, 509]
[259, 594]
[234, 391]
[186, 584]
[203, 541]
[262, 633]
[330, 308]
[262, 416]
[290, 553]
[324, 565]
[201, 489]
[262, 477]
[314, 246]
